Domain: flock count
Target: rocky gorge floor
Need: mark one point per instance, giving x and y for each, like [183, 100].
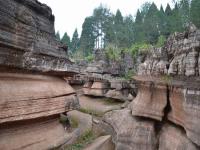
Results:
[49, 102]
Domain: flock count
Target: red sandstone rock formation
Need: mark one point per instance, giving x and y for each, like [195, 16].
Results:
[33, 65]
[130, 133]
[168, 92]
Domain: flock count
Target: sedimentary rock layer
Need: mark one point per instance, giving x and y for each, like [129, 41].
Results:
[122, 95]
[150, 101]
[172, 137]
[27, 38]
[37, 134]
[99, 88]
[128, 132]
[185, 104]
[25, 96]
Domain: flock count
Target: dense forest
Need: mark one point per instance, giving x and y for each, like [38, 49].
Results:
[150, 26]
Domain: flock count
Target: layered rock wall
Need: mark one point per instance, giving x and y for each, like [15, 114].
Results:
[168, 95]
[33, 65]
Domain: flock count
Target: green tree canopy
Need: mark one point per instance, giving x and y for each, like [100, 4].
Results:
[66, 40]
[58, 35]
[195, 12]
[75, 41]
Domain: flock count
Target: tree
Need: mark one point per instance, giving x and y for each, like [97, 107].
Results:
[128, 31]
[151, 24]
[58, 35]
[176, 23]
[102, 18]
[87, 36]
[162, 21]
[168, 21]
[145, 8]
[75, 41]
[119, 30]
[66, 40]
[138, 28]
[184, 8]
[138, 18]
[195, 12]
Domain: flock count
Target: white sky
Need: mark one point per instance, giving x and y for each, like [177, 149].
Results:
[70, 14]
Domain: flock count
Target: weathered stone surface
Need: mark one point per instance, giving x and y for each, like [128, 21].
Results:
[185, 111]
[183, 50]
[25, 96]
[100, 85]
[98, 88]
[98, 105]
[119, 95]
[101, 143]
[172, 137]
[150, 100]
[119, 84]
[128, 132]
[84, 120]
[27, 38]
[176, 69]
[40, 134]
[87, 87]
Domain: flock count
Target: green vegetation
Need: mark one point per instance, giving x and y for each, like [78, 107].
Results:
[91, 112]
[109, 101]
[167, 79]
[150, 26]
[113, 53]
[58, 35]
[129, 75]
[82, 141]
[89, 58]
[66, 40]
[161, 41]
[73, 122]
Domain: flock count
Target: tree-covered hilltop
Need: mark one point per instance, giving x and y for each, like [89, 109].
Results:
[151, 25]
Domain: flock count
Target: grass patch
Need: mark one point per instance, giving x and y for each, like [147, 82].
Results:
[91, 112]
[73, 122]
[110, 101]
[82, 141]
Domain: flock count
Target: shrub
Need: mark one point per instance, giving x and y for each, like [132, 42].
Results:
[89, 58]
[112, 52]
[161, 41]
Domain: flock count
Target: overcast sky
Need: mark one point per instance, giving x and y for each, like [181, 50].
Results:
[70, 14]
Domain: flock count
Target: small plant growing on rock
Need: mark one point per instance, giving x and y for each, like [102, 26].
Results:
[82, 141]
[167, 79]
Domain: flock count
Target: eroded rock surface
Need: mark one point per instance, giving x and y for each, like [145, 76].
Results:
[27, 38]
[174, 138]
[167, 102]
[128, 132]
[33, 65]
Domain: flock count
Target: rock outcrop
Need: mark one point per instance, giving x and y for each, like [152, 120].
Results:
[168, 96]
[33, 65]
[129, 133]
[120, 90]
[27, 38]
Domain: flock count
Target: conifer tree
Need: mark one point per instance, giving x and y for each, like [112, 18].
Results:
[58, 35]
[75, 41]
[195, 12]
[66, 40]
